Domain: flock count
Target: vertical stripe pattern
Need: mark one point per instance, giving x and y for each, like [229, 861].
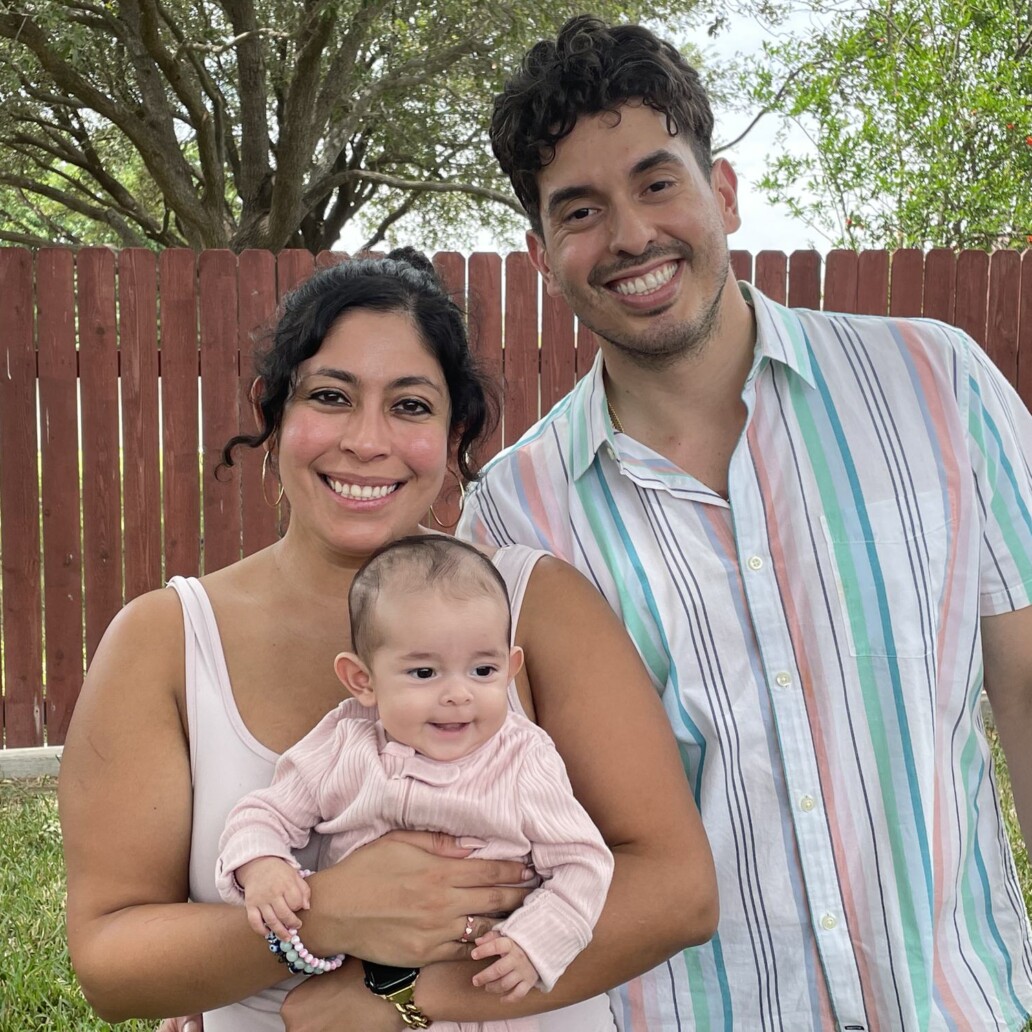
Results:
[816, 642]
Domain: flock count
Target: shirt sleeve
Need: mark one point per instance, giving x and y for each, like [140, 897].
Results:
[275, 820]
[1000, 444]
[557, 919]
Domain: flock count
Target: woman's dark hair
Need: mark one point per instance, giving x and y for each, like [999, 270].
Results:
[592, 67]
[403, 282]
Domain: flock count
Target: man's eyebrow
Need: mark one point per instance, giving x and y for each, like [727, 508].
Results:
[567, 193]
[660, 157]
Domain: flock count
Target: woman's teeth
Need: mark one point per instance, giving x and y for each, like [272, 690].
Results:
[361, 491]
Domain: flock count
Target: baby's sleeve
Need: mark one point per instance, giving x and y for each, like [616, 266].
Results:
[557, 919]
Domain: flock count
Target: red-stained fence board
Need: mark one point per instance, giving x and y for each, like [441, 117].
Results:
[906, 290]
[972, 293]
[1025, 330]
[804, 279]
[558, 351]
[179, 364]
[19, 507]
[220, 381]
[450, 267]
[256, 285]
[742, 265]
[940, 284]
[59, 457]
[840, 281]
[872, 283]
[292, 268]
[101, 481]
[587, 349]
[1001, 342]
[485, 326]
[521, 361]
[771, 275]
[141, 444]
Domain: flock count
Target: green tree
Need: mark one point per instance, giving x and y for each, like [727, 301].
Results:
[256, 123]
[920, 113]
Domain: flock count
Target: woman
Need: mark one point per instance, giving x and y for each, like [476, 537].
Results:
[366, 389]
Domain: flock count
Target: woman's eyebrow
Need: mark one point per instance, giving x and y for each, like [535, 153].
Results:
[399, 381]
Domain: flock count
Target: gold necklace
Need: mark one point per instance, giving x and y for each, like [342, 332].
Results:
[617, 425]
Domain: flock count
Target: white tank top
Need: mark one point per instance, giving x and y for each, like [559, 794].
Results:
[227, 762]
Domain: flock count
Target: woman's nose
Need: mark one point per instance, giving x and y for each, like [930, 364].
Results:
[365, 434]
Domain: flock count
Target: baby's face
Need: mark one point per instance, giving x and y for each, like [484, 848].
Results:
[441, 671]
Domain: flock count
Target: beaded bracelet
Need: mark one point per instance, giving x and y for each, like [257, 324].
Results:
[297, 957]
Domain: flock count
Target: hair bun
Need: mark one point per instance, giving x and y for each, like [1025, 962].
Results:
[415, 258]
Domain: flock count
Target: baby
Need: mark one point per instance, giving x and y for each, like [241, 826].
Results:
[426, 742]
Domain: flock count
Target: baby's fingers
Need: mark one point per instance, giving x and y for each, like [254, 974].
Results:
[519, 992]
[255, 920]
[279, 918]
[499, 970]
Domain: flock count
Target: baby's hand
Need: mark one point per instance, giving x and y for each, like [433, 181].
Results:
[512, 976]
[274, 893]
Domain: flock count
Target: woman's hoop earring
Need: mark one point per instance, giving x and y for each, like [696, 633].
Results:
[462, 503]
[445, 526]
[265, 473]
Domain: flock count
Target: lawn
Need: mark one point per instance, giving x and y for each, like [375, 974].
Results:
[38, 992]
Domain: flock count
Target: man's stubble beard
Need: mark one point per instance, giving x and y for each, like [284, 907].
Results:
[660, 349]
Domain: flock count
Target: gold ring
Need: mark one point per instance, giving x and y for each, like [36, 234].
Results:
[467, 932]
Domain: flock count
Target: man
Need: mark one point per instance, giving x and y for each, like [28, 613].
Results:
[817, 529]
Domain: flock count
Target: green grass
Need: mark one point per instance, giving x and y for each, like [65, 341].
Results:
[38, 992]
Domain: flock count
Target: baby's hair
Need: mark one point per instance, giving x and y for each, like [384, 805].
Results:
[419, 562]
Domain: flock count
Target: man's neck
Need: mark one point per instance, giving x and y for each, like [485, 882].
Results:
[690, 411]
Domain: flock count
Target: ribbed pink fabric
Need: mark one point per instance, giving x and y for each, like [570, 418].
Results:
[345, 780]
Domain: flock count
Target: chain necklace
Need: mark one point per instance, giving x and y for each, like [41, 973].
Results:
[617, 425]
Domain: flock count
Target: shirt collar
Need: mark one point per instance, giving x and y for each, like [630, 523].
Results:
[779, 338]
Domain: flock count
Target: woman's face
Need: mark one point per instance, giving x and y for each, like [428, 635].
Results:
[363, 445]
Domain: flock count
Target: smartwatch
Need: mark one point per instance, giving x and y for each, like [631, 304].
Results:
[396, 985]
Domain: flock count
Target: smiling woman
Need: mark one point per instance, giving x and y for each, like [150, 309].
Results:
[365, 394]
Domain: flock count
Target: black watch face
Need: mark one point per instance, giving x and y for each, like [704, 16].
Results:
[383, 979]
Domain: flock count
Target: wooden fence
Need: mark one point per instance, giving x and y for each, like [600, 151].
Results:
[122, 375]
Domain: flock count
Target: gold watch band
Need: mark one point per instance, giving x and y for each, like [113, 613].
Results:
[406, 1007]
[412, 1015]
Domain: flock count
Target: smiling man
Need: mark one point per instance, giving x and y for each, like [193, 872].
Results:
[818, 530]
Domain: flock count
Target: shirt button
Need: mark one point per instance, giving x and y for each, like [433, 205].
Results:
[754, 562]
[783, 679]
[807, 803]
[829, 921]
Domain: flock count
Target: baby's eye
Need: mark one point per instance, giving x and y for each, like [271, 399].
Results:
[423, 673]
[485, 670]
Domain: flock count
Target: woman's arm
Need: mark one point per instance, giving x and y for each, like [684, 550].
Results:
[139, 949]
[594, 697]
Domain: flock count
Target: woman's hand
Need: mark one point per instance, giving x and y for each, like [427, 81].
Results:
[338, 1002]
[406, 898]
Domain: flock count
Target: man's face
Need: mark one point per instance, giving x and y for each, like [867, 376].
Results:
[635, 235]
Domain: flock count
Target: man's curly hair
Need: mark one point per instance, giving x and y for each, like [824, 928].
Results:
[591, 67]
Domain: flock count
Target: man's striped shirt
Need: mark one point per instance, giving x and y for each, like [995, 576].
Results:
[816, 640]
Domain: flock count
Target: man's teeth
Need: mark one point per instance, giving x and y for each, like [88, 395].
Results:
[649, 282]
[361, 491]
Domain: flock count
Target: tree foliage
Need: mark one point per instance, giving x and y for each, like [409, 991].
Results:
[255, 123]
[920, 112]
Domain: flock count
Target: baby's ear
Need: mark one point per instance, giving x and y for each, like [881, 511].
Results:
[355, 676]
[515, 661]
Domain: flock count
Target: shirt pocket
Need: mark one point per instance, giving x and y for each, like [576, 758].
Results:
[889, 575]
